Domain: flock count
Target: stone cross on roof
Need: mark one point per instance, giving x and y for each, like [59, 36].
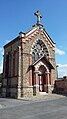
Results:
[38, 17]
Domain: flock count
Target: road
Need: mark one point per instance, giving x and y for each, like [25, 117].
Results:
[40, 109]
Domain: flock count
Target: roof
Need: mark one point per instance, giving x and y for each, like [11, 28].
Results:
[45, 59]
[18, 38]
[11, 42]
[33, 29]
[49, 36]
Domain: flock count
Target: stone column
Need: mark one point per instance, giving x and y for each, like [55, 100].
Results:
[36, 77]
[36, 85]
[19, 73]
[48, 83]
[48, 79]
[30, 72]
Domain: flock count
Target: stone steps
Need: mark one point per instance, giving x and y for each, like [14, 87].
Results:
[43, 93]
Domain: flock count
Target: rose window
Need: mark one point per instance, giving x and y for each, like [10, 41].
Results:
[38, 50]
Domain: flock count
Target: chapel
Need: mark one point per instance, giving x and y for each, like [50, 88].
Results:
[29, 67]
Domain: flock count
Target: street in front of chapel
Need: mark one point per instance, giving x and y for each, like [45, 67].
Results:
[51, 107]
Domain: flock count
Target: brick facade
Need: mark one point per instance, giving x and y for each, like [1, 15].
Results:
[21, 77]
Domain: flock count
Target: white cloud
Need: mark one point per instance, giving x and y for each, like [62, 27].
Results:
[62, 65]
[60, 52]
[1, 51]
[1, 59]
[62, 70]
[1, 67]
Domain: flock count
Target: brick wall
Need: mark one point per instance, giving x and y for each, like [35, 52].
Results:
[60, 87]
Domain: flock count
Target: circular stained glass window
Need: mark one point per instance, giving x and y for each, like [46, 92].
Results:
[38, 46]
[39, 50]
[36, 56]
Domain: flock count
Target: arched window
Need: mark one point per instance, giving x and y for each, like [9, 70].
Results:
[38, 50]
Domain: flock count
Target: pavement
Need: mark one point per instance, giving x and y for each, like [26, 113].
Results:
[44, 97]
[44, 107]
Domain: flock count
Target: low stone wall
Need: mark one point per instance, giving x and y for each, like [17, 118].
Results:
[60, 87]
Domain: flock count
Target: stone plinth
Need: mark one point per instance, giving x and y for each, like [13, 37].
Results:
[27, 91]
[50, 89]
[36, 90]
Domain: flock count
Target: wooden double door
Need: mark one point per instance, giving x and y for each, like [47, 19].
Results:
[42, 82]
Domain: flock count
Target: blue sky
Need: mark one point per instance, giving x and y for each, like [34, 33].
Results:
[18, 15]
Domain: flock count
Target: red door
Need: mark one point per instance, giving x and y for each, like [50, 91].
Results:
[41, 83]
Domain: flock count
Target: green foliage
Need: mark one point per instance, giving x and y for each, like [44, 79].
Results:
[60, 78]
[1, 76]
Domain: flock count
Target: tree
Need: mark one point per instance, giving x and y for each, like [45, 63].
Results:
[1, 76]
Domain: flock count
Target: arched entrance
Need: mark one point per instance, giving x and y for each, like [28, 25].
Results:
[42, 78]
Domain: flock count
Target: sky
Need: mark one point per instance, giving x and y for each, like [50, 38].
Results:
[18, 15]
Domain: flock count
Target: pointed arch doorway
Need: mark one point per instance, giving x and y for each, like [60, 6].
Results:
[41, 67]
[42, 78]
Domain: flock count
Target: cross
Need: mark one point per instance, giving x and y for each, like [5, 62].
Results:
[38, 17]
